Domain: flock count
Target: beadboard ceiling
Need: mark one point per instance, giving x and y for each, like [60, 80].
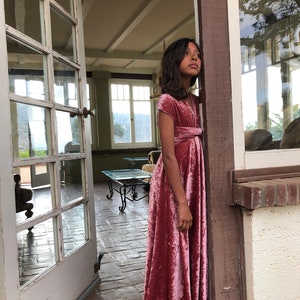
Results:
[130, 35]
[127, 36]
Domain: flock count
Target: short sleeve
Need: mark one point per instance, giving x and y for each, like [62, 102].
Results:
[167, 104]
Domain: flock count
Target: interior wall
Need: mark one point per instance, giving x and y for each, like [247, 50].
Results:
[100, 83]
[104, 158]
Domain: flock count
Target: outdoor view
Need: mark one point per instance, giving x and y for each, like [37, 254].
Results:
[31, 131]
[270, 51]
[131, 110]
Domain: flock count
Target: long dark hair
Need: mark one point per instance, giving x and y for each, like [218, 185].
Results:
[170, 77]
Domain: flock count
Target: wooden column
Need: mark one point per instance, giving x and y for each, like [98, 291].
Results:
[225, 232]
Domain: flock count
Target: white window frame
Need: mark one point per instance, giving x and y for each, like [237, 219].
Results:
[84, 256]
[132, 145]
[248, 159]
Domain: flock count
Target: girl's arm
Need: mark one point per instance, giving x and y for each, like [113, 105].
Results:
[166, 129]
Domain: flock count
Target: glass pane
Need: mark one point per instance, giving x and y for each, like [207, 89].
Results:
[29, 131]
[68, 136]
[142, 121]
[141, 93]
[24, 16]
[270, 48]
[31, 202]
[66, 4]
[36, 253]
[73, 228]
[114, 92]
[66, 83]
[121, 121]
[40, 175]
[120, 92]
[72, 178]
[62, 35]
[26, 71]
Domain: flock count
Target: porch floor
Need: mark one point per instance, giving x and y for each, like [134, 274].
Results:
[122, 239]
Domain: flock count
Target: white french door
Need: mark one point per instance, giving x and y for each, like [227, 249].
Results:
[50, 139]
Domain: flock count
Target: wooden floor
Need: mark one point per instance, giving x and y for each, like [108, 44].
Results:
[123, 239]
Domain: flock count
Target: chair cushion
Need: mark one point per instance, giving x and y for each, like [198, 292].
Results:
[153, 156]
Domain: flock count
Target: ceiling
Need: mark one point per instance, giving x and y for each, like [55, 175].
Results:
[125, 36]
[129, 36]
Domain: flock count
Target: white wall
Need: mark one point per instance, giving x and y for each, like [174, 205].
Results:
[272, 251]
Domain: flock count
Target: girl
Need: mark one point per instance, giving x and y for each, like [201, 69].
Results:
[176, 264]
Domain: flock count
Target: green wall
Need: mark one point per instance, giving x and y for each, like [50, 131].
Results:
[104, 158]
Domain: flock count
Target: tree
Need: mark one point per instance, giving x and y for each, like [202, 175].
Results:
[272, 28]
[270, 19]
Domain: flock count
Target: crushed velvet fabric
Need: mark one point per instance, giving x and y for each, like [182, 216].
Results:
[176, 264]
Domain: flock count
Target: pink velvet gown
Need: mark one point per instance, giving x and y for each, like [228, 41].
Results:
[176, 264]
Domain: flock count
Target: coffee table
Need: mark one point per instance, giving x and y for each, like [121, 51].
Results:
[127, 180]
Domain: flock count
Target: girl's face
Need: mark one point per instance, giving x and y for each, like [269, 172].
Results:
[191, 63]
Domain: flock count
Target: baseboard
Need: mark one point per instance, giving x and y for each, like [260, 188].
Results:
[89, 288]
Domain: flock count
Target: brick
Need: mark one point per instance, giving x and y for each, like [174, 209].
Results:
[292, 190]
[252, 195]
[281, 193]
[269, 195]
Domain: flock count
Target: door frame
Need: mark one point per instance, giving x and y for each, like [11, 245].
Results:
[225, 224]
[8, 247]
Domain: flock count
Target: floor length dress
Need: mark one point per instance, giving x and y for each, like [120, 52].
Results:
[176, 263]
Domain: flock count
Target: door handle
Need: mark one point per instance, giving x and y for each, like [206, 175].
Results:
[86, 112]
[83, 112]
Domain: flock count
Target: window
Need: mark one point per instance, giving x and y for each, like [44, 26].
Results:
[270, 49]
[65, 94]
[246, 60]
[131, 114]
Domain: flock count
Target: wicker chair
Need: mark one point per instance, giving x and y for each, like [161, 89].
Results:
[152, 159]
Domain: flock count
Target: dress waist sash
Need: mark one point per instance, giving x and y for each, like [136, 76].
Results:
[185, 133]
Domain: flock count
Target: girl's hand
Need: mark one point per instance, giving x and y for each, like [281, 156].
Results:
[185, 218]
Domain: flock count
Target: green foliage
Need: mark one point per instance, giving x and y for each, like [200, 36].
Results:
[75, 130]
[40, 153]
[26, 154]
[250, 126]
[296, 111]
[118, 130]
[276, 124]
[276, 127]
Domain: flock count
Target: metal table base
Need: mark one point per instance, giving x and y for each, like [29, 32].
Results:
[128, 180]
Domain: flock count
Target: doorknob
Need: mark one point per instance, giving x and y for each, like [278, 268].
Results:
[84, 112]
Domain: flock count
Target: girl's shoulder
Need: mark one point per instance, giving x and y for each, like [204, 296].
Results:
[168, 104]
[166, 96]
[166, 99]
